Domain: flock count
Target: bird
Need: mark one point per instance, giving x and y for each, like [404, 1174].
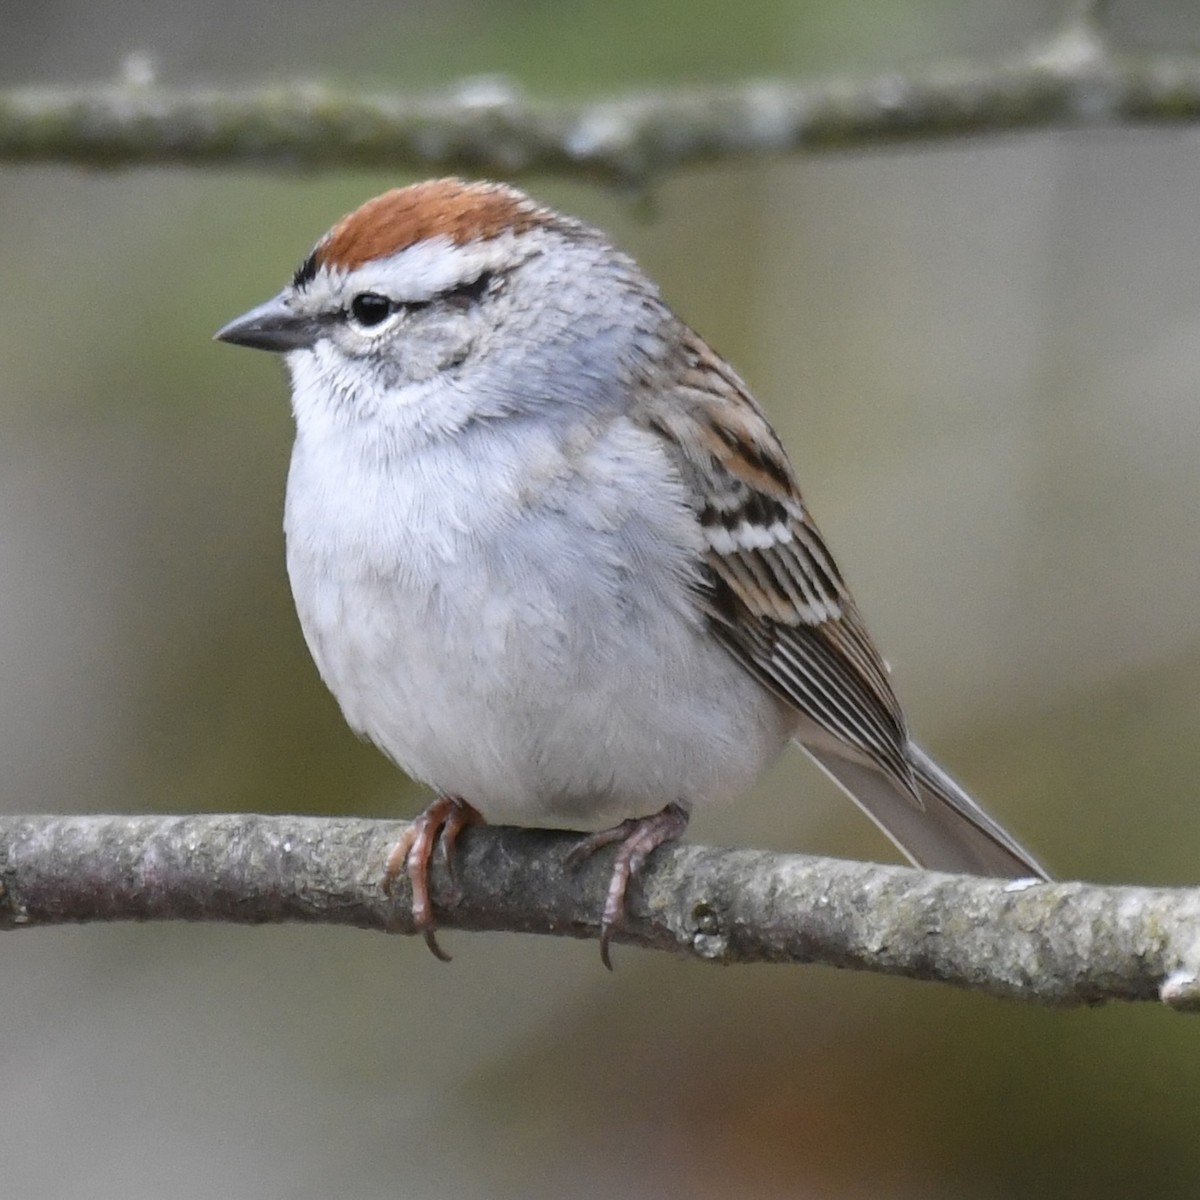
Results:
[549, 555]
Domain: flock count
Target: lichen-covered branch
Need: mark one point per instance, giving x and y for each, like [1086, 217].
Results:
[1061, 943]
[491, 128]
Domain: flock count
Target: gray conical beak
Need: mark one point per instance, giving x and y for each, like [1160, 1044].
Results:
[271, 326]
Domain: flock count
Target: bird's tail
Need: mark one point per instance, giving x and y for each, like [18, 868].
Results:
[949, 833]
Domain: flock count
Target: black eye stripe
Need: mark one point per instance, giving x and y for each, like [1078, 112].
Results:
[368, 309]
[466, 294]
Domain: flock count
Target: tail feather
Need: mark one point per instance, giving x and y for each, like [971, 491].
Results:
[949, 833]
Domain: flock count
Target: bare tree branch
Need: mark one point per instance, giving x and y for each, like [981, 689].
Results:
[1060, 944]
[488, 127]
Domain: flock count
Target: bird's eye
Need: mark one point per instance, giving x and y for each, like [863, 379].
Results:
[370, 308]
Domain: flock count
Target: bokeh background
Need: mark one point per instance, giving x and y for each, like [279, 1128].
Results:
[985, 358]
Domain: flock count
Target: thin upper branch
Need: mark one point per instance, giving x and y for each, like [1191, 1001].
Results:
[489, 127]
[1062, 943]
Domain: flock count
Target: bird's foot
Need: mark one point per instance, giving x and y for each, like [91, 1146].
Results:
[636, 840]
[447, 816]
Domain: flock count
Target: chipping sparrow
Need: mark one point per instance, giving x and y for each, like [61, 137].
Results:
[549, 555]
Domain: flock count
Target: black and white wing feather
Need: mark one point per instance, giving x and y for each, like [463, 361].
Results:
[777, 601]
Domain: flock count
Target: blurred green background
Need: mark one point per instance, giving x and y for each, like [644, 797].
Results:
[985, 358]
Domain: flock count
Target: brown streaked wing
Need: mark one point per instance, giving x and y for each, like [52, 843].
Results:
[777, 599]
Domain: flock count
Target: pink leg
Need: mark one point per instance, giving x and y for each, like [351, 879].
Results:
[463, 816]
[636, 840]
[448, 816]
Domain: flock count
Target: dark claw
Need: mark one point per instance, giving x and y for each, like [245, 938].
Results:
[435, 949]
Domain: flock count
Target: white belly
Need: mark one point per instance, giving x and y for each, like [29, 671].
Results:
[506, 642]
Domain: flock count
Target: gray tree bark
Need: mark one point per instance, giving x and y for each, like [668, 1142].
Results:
[1059, 943]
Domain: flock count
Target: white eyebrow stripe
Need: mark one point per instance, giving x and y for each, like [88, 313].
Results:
[432, 267]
